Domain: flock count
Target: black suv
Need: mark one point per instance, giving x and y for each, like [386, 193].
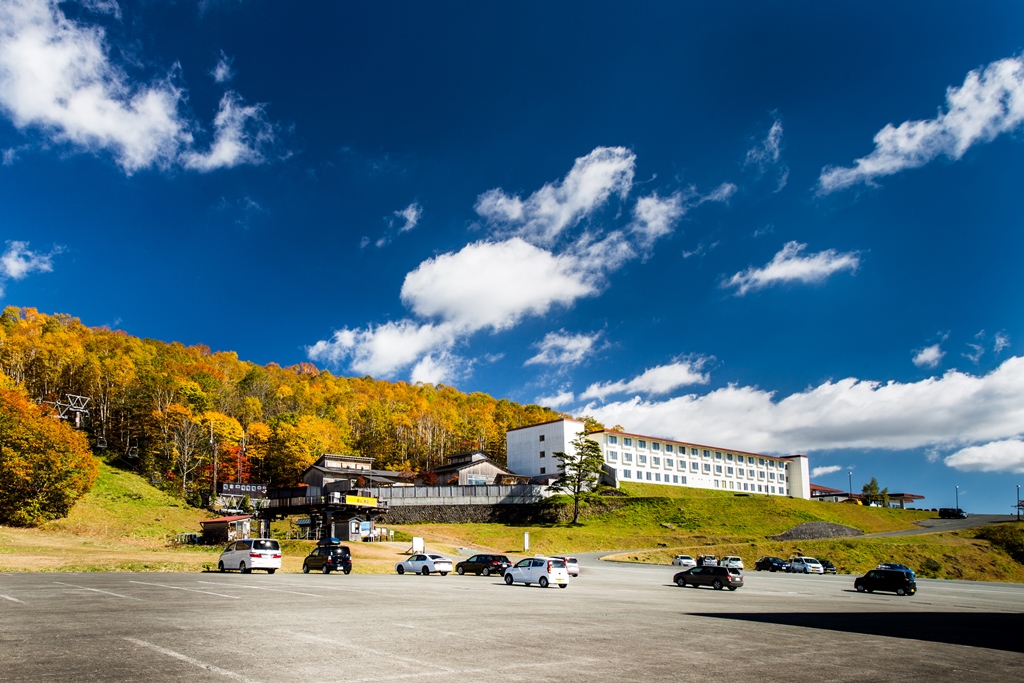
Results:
[772, 564]
[952, 513]
[895, 580]
[484, 564]
[328, 558]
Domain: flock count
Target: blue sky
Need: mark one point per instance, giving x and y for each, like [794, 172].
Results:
[781, 228]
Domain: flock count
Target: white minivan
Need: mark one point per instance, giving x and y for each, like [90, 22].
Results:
[251, 553]
[806, 565]
[542, 571]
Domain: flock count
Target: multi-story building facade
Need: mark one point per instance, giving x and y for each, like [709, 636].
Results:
[639, 458]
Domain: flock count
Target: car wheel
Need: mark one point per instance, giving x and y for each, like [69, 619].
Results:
[508, 579]
[461, 571]
[305, 568]
[900, 591]
[400, 569]
[732, 588]
[348, 571]
[325, 569]
[681, 582]
[485, 571]
[425, 571]
[806, 570]
[771, 569]
[271, 571]
[443, 573]
[241, 568]
[220, 566]
[543, 583]
[860, 588]
[563, 585]
[717, 585]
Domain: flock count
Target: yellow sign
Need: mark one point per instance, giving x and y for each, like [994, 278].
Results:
[361, 500]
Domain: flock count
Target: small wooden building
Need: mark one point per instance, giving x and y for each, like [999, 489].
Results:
[475, 468]
[226, 529]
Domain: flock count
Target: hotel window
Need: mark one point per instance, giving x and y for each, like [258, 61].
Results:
[657, 476]
[542, 454]
[760, 461]
[626, 474]
[782, 477]
[629, 442]
[728, 470]
[707, 467]
[543, 470]
[728, 456]
[655, 461]
[648, 476]
[718, 469]
[675, 478]
[627, 457]
[759, 490]
[683, 480]
[750, 460]
[760, 475]
[718, 455]
[744, 486]
[640, 443]
[655, 446]
[668, 448]
[731, 485]
[695, 467]
[773, 489]
[771, 475]
[716, 483]
[541, 437]
[613, 456]
[693, 451]
[613, 439]
[707, 453]
[669, 463]
[771, 463]
[642, 459]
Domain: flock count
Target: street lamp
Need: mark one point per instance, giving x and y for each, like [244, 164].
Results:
[1018, 502]
[957, 497]
[851, 483]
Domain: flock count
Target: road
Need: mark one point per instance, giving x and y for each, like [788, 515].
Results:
[931, 526]
[616, 622]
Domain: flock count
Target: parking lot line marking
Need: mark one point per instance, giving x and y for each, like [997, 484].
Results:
[339, 588]
[8, 597]
[191, 590]
[191, 660]
[95, 590]
[276, 590]
[369, 650]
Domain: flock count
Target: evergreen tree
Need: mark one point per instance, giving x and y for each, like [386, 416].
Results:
[581, 470]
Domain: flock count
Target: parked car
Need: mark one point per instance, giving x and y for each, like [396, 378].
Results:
[898, 567]
[484, 564]
[806, 565]
[731, 561]
[716, 577]
[251, 553]
[899, 582]
[952, 513]
[572, 565]
[772, 564]
[707, 561]
[425, 564]
[328, 558]
[683, 561]
[828, 566]
[543, 571]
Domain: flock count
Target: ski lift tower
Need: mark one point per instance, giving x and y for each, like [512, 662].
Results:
[74, 407]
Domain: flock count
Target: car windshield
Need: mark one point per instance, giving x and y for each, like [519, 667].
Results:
[810, 560]
[558, 564]
[263, 544]
[436, 557]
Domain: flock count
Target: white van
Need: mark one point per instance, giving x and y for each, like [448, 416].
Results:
[251, 553]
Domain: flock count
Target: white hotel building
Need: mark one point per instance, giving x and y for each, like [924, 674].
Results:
[637, 458]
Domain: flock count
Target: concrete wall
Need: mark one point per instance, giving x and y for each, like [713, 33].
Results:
[491, 494]
[524, 446]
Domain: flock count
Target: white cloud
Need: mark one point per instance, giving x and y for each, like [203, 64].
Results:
[441, 368]
[655, 217]
[990, 102]
[562, 348]
[56, 77]
[996, 456]
[1002, 341]
[657, 380]
[822, 471]
[789, 266]
[494, 284]
[560, 399]
[769, 150]
[411, 214]
[543, 216]
[929, 356]
[18, 262]
[956, 409]
[224, 71]
[380, 350]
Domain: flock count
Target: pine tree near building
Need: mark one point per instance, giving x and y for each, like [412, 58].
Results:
[581, 470]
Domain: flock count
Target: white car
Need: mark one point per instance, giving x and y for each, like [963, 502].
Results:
[425, 564]
[542, 571]
[683, 561]
[806, 565]
[572, 565]
[251, 553]
[731, 561]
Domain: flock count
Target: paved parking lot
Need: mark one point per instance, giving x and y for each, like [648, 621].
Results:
[616, 622]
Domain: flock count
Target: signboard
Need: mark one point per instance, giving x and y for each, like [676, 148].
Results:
[362, 501]
[417, 544]
[253, 490]
[364, 529]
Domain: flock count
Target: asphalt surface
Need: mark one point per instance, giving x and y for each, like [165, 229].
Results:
[931, 526]
[616, 622]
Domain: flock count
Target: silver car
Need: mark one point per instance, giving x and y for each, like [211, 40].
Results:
[683, 561]
[425, 564]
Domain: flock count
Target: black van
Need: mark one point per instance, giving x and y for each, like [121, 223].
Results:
[952, 513]
[895, 580]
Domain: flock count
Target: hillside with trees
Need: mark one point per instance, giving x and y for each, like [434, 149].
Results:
[184, 415]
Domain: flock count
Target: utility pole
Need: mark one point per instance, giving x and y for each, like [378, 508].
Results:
[957, 497]
[1018, 502]
[851, 483]
[213, 450]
